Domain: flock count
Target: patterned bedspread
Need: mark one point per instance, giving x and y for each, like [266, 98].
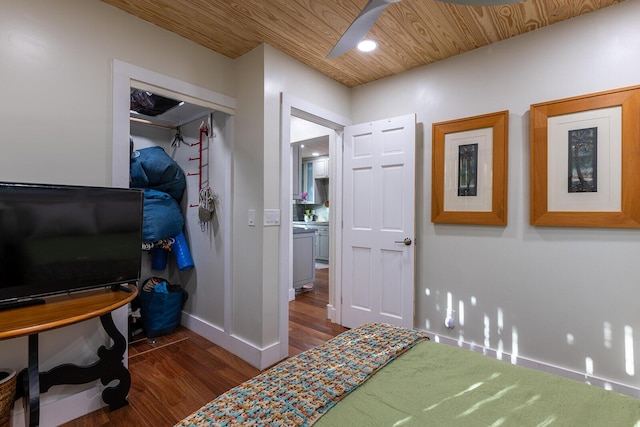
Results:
[299, 390]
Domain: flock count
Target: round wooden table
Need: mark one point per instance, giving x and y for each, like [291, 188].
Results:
[64, 310]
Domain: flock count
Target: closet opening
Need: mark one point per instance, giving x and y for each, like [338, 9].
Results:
[193, 127]
[170, 142]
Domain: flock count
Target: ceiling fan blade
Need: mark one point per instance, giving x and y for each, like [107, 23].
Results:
[360, 26]
[372, 11]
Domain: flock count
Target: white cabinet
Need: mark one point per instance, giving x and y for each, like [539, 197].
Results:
[321, 168]
[304, 271]
[308, 181]
[322, 253]
[310, 171]
[296, 165]
[321, 240]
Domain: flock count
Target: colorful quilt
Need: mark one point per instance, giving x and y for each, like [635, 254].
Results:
[299, 390]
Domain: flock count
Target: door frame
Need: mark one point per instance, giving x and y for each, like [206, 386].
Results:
[292, 106]
[125, 76]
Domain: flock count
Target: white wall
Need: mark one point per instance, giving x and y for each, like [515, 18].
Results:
[56, 67]
[301, 130]
[265, 73]
[248, 190]
[559, 296]
[285, 75]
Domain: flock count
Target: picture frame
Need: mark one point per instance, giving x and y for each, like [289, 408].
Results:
[585, 154]
[469, 170]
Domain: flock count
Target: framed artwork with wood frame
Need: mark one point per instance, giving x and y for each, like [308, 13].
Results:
[469, 170]
[585, 158]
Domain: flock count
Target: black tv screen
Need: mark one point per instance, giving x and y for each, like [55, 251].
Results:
[60, 238]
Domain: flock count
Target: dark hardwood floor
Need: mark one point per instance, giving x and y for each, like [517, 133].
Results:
[173, 376]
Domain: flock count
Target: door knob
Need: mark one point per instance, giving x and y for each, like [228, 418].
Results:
[406, 241]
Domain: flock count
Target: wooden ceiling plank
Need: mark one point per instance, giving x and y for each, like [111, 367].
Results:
[279, 30]
[292, 10]
[460, 22]
[321, 18]
[212, 30]
[491, 23]
[311, 17]
[411, 33]
[417, 37]
[448, 21]
[442, 39]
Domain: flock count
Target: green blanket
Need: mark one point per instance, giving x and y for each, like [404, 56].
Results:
[438, 385]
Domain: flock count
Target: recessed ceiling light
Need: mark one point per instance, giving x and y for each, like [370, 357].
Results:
[367, 45]
[314, 154]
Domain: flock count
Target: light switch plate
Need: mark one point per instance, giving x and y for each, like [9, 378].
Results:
[271, 217]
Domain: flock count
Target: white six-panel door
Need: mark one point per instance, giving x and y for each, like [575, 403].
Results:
[378, 222]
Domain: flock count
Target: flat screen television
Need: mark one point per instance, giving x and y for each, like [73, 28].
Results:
[56, 239]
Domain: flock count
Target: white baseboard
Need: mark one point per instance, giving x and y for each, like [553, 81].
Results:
[331, 313]
[541, 366]
[292, 294]
[261, 358]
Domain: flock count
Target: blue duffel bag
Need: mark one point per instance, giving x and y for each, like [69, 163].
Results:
[160, 307]
[152, 167]
[162, 217]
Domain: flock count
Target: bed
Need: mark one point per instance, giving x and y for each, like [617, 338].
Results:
[384, 375]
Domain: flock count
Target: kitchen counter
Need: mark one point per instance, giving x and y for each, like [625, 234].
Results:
[302, 223]
[322, 236]
[298, 230]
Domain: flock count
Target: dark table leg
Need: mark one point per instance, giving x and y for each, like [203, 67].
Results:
[109, 367]
[30, 381]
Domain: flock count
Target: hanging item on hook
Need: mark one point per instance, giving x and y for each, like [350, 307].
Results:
[207, 207]
[204, 128]
[177, 139]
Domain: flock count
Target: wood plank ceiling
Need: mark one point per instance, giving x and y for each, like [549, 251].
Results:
[411, 33]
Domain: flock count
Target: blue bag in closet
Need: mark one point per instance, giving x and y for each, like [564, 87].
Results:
[161, 307]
